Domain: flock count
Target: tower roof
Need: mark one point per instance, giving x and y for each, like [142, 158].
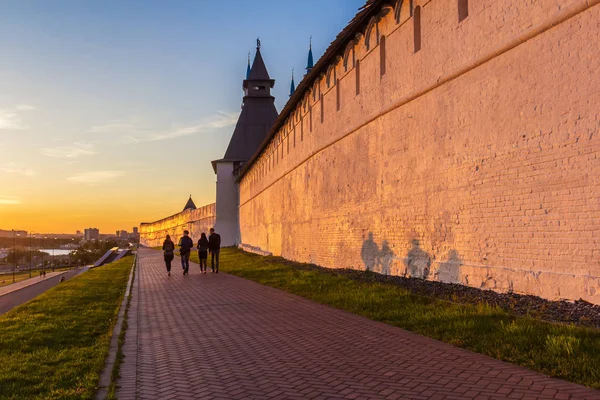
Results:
[257, 116]
[190, 204]
[258, 72]
[248, 67]
[292, 86]
[309, 62]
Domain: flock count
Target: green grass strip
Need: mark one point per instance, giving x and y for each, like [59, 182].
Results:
[567, 352]
[115, 374]
[54, 346]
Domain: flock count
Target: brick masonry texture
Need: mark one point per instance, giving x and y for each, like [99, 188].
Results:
[222, 337]
[196, 221]
[475, 160]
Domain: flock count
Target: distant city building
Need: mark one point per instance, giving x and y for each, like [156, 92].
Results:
[135, 230]
[9, 233]
[91, 234]
[122, 234]
[78, 233]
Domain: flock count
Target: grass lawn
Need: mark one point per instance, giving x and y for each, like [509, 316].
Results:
[566, 352]
[7, 279]
[54, 346]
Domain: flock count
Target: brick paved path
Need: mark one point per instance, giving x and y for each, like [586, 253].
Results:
[222, 337]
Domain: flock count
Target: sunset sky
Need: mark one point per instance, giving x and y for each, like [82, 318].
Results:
[111, 111]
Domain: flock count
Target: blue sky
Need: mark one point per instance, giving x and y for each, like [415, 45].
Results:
[116, 108]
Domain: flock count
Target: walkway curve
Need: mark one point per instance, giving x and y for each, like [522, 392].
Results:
[31, 288]
[222, 337]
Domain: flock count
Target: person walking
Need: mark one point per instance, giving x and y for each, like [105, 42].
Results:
[214, 247]
[169, 252]
[185, 243]
[203, 252]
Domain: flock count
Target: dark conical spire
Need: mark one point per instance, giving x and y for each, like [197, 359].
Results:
[292, 86]
[258, 72]
[257, 116]
[309, 62]
[248, 67]
[190, 204]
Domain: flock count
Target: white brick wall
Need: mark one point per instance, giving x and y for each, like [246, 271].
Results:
[475, 160]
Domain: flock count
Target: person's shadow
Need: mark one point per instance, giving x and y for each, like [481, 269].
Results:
[386, 256]
[449, 270]
[377, 260]
[369, 252]
[418, 262]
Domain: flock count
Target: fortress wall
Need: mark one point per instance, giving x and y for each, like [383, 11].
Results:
[196, 221]
[475, 160]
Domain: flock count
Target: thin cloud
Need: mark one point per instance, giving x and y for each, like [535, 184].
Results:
[220, 120]
[12, 168]
[114, 127]
[11, 119]
[95, 177]
[223, 119]
[25, 107]
[77, 149]
[9, 200]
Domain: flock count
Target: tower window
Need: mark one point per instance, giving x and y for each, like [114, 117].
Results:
[382, 56]
[357, 68]
[322, 109]
[337, 95]
[463, 9]
[417, 28]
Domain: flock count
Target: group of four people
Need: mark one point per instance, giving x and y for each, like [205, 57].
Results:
[205, 245]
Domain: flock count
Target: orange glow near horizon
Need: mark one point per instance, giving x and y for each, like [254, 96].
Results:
[103, 212]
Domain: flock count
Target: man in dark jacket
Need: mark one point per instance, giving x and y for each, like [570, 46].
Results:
[214, 246]
[186, 243]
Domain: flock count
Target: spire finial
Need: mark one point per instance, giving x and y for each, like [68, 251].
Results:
[309, 62]
[292, 85]
[257, 43]
[248, 67]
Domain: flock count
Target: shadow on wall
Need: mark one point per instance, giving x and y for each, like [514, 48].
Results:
[417, 261]
[449, 270]
[375, 259]
[418, 265]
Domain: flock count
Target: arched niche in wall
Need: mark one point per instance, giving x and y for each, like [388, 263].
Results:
[417, 28]
[349, 56]
[307, 99]
[372, 31]
[403, 10]
[463, 9]
[331, 75]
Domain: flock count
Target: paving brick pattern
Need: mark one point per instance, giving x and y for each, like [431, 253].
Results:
[222, 337]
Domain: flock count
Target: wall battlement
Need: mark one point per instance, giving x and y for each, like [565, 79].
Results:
[446, 143]
[196, 221]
